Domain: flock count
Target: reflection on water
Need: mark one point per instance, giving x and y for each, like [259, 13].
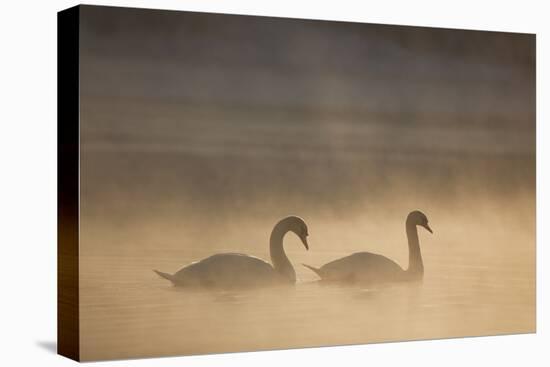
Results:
[128, 311]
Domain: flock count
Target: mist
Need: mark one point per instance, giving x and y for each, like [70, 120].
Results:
[200, 131]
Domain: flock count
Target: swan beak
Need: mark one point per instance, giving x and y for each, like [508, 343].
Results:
[428, 229]
[304, 241]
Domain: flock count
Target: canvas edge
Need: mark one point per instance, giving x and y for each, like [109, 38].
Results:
[68, 325]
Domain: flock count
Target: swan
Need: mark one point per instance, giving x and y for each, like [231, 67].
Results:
[369, 268]
[231, 270]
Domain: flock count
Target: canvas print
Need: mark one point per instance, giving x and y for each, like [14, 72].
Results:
[242, 183]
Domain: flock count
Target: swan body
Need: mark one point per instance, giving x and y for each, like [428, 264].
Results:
[235, 270]
[367, 267]
[225, 270]
[360, 267]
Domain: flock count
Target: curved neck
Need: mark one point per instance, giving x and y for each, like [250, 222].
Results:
[416, 267]
[280, 261]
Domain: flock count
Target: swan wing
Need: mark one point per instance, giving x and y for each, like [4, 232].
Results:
[227, 270]
[361, 266]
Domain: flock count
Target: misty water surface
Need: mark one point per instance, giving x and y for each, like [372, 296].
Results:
[199, 132]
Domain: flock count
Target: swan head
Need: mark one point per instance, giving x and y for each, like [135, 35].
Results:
[299, 227]
[418, 218]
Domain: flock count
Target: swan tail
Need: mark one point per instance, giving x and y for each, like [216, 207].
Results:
[315, 270]
[166, 276]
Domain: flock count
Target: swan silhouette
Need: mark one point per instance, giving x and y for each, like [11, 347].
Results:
[234, 270]
[369, 268]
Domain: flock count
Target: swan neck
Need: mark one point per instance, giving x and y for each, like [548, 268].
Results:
[280, 261]
[416, 266]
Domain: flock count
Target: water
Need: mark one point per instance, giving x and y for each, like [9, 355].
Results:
[159, 202]
[478, 281]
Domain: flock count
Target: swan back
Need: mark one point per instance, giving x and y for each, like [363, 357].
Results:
[228, 270]
[361, 267]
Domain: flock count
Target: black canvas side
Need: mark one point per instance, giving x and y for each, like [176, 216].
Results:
[68, 182]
